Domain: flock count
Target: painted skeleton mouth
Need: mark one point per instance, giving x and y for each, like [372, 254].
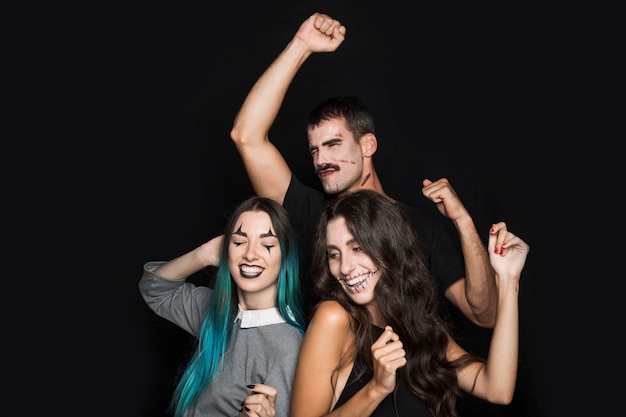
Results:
[358, 283]
[250, 272]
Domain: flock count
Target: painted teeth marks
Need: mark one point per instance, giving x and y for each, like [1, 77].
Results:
[355, 280]
[358, 283]
[358, 286]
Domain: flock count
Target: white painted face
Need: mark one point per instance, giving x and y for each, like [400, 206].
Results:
[254, 259]
[347, 262]
[337, 158]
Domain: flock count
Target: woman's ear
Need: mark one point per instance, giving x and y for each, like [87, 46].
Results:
[369, 144]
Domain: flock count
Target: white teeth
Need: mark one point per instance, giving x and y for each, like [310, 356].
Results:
[356, 280]
[358, 283]
[251, 269]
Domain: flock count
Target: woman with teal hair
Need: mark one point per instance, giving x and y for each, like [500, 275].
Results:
[249, 327]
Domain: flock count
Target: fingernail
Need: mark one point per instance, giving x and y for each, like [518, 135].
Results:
[247, 409]
[251, 386]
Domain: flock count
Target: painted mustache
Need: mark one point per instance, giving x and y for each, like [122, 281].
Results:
[326, 166]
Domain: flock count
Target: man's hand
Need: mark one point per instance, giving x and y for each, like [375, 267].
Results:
[321, 33]
[443, 195]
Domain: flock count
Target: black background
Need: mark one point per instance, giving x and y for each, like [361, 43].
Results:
[468, 93]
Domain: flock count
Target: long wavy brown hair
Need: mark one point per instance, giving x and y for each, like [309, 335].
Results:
[406, 295]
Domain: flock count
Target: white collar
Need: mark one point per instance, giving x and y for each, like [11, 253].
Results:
[259, 318]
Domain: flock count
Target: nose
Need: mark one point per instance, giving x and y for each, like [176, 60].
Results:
[320, 159]
[251, 252]
[347, 265]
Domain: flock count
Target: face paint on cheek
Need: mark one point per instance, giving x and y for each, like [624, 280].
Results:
[347, 162]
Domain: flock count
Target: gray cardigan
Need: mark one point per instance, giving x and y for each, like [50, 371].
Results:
[265, 353]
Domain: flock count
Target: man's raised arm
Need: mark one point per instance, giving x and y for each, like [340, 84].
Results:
[267, 170]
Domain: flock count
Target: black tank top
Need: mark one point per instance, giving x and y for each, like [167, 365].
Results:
[400, 403]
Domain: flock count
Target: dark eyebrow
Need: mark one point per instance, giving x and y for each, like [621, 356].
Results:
[268, 234]
[263, 235]
[348, 243]
[331, 141]
[326, 143]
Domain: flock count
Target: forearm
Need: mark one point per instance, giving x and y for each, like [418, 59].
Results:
[363, 403]
[501, 369]
[264, 100]
[183, 266]
[480, 285]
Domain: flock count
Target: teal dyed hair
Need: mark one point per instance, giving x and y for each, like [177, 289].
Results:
[216, 329]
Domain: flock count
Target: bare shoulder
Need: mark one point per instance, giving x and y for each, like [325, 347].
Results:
[331, 315]
[329, 332]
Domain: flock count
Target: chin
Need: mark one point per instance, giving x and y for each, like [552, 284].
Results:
[362, 298]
